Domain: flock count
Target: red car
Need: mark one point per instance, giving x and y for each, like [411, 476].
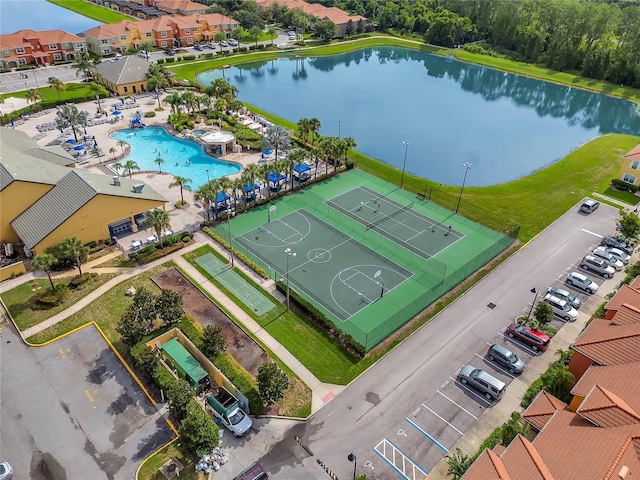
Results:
[527, 335]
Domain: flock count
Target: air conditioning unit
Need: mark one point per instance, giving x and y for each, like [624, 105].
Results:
[137, 187]
[116, 180]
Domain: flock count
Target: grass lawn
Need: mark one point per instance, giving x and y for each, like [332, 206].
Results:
[322, 355]
[102, 14]
[20, 299]
[72, 92]
[626, 197]
[150, 468]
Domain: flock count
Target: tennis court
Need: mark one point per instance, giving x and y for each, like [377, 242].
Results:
[415, 231]
[247, 294]
[334, 269]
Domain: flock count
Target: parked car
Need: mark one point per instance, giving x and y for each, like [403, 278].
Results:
[254, 472]
[565, 295]
[118, 56]
[527, 335]
[232, 42]
[582, 282]
[505, 357]
[602, 254]
[6, 472]
[224, 44]
[198, 47]
[561, 308]
[609, 241]
[292, 36]
[619, 254]
[589, 205]
[169, 51]
[594, 264]
[210, 45]
[144, 54]
[481, 380]
[51, 79]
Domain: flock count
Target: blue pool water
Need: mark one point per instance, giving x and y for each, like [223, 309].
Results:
[181, 157]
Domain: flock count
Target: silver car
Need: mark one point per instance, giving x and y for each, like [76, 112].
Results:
[487, 384]
[582, 282]
[6, 472]
[565, 295]
[596, 265]
[602, 254]
[624, 257]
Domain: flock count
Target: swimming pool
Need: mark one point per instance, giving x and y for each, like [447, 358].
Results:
[198, 133]
[181, 157]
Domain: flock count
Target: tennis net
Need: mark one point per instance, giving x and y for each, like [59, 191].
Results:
[388, 216]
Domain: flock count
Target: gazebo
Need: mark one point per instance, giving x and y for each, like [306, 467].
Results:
[219, 143]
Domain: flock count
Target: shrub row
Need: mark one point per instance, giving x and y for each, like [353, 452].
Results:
[161, 253]
[624, 186]
[320, 319]
[239, 255]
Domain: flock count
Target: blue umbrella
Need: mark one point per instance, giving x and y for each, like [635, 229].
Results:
[79, 147]
[267, 152]
[85, 131]
[71, 140]
[116, 112]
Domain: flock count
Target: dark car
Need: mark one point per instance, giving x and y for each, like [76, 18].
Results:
[198, 47]
[52, 79]
[609, 241]
[254, 472]
[169, 51]
[527, 335]
[506, 358]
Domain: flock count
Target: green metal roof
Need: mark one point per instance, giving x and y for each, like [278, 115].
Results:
[182, 357]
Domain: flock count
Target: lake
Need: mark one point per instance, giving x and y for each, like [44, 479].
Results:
[40, 15]
[452, 112]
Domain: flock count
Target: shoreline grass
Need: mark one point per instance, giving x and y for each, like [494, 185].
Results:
[93, 11]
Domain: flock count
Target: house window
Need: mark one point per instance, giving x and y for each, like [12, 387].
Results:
[53, 46]
[164, 44]
[187, 31]
[635, 164]
[22, 61]
[79, 45]
[629, 178]
[57, 56]
[19, 50]
[189, 40]
[163, 34]
[104, 41]
[126, 89]
[123, 37]
[216, 27]
[148, 34]
[106, 51]
[195, 29]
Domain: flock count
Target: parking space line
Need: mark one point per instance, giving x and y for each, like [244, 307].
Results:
[392, 462]
[435, 442]
[519, 343]
[468, 389]
[495, 365]
[442, 419]
[458, 405]
[591, 233]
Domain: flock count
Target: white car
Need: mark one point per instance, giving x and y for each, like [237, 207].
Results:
[232, 42]
[624, 257]
[6, 472]
[598, 266]
[602, 254]
[292, 36]
[582, 282]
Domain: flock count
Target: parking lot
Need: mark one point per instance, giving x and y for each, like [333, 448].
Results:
[71, 410]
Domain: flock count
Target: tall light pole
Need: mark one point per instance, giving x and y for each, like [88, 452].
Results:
[534, 290]
[406, 150]
[467, 166]
[289, 254]
[208, 180]
[229, 213]
[353, 458]
[378, 274]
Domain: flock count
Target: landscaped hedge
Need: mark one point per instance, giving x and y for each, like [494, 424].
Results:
[161, 253]
[624, 186]
[239, 255]
[319, 318]
[160, 61]
[170, 59]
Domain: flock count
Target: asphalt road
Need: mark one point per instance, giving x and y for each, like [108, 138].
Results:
[70, 410]
[408, 409]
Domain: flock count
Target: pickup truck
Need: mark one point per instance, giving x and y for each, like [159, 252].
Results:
[226, 407]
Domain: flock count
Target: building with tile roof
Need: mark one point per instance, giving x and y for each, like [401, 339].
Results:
[126, 76]
[180, 7]
[26, 47]
[629, 294]
[629, 171]
[43, 201]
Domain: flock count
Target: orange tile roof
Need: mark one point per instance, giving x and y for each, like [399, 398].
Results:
[610, 344]
[542, 409]
[184, 5]
[606, 409]
[488, 466]
[522, 460]
[626, 294]
[44, 37]
[635, 283]
[334, 14]
[634, 154]
[626, 315]
[614, 378]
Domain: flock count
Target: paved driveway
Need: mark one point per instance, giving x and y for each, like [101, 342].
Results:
[406, 412]
[70, 410]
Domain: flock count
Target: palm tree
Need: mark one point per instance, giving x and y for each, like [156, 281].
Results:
[158, 219]
[254, 33]
[44, 262]
[286, 166]
[304, 127]
[264, 171]
[181, 182]
[347, 144]
[74, 247]
[33, 95]
[121, 144]
[273, 32]
[58, 85]
[219, 37]
[112, 151]
[118, 166]
[130, 166]
[250, 173]
[68, 115]
[224, 184]
[237, 184]
[159, 161]
[190, 101]
[296, 158]
[175, 100]
[158, 78]
[238, 33]
[314, 126]
[82, 66]
[276, 138]
[204, 194]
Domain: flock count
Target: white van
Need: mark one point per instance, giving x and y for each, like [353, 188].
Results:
[561, 308]
[118, 56]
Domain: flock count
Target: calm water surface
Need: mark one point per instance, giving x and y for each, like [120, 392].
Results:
[40, 15]
[453, 112]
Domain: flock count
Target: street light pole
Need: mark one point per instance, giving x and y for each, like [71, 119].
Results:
[229, 213]
[378, 274]
[534, 290]
[353, 458]
[208, 180]
[467, 166]
[406, 150]
[289, 253]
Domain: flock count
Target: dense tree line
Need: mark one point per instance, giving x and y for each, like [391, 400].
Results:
[596, 39]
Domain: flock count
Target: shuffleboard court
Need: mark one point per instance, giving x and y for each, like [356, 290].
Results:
[247, 294]
[340, 273]
[414, 231]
